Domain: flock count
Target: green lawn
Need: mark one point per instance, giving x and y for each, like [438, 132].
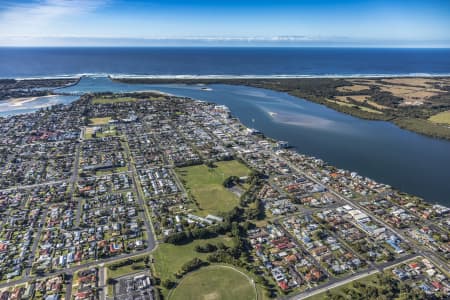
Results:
[214, 283]
[100, 121]
[88, 133]
[441, 118]
[127, 269]
[356, 106]
[206, 187]
[110, 171]
[107, 100]
[170, 258]
[340, 289]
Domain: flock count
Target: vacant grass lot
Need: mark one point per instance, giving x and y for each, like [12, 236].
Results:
[441, 118]
[110, 171]
[340, 289]
[356, 106]
[88, 133]
[205, 185]
[214, 283]
[170, 258]
[370, 281]
[361, 99]
[127, 269]
[100, 121]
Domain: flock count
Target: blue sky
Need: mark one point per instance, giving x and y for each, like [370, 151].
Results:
[424, 23]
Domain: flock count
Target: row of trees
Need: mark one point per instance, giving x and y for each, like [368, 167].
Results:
[383, 287]
[129, 261]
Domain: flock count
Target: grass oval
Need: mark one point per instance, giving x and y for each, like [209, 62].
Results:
[215, 283]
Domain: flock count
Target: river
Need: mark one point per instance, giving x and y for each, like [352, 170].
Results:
[380, 150]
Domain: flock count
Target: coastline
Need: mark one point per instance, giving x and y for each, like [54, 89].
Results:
[104, 84]
[283, 83]
[22, 100]
[13, 89]
[114, 76]
[395, 189]
[404, 117]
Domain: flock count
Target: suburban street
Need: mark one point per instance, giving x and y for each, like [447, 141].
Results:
[74, 268]
[417, 247]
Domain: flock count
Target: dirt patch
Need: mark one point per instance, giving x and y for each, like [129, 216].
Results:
[414, 91]
[211, 296]
[361, 99]
[352, 88]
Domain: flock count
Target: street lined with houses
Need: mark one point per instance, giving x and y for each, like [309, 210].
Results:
[107, 199]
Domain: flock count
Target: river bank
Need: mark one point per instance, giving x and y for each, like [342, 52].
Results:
[389, 99]
[29, 88]
[376, 149]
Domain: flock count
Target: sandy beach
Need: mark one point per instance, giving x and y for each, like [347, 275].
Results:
[22, 101]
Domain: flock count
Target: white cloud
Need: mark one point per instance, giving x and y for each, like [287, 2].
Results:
[37, 18]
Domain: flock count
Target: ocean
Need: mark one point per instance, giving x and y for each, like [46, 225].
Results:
[250, 61]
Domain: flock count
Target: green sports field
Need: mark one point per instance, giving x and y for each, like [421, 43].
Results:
[170, 258]
[100, 121]
[206, 185]
[214, 283]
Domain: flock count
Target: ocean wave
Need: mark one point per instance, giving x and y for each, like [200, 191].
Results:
[268, 76]
[229, 76]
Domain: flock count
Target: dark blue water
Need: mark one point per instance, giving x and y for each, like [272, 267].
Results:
[379, 150]
[35, 62]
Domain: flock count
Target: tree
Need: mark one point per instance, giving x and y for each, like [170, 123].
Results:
[235, 231]
[192, 265]
[230, 181]
[206, 248]
[221, 246]
[177, 238]
[210, 164]
[168, 284]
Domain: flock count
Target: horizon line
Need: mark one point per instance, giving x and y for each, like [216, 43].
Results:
[211, 42]
[237, 46]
